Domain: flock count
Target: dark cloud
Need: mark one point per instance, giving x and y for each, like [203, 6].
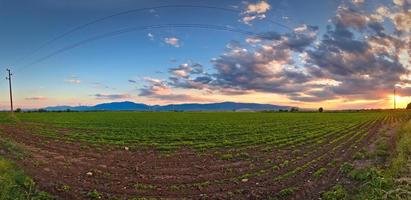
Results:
[302, 37]
[269, 36]
[351, 16]
[179, 98]
[185, 70]
[366, 67]
[378, 28]
[154, 86]
[158, 89]
[356, 58]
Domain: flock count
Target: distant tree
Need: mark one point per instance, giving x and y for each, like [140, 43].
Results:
[294, 109]
[409, 106]
[42, 110]
[320, 109]
[17, 110]
[68, 110]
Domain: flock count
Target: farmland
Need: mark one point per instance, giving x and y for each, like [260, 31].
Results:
[218, 155]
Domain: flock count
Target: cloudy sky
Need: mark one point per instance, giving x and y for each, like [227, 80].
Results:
[331, 53]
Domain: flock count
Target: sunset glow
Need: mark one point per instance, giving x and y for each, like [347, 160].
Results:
[276, 52]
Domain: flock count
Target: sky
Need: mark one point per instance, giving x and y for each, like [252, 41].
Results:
[336, 54]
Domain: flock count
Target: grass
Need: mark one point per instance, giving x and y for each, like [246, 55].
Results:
[15, 185]
[141, 186]
[346, 168]
[320, 172]
[380, 182]
[338, 192]
[94, 194]
[286, 192]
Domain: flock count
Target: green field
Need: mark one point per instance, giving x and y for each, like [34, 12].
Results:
[221, 155]
[170, 130]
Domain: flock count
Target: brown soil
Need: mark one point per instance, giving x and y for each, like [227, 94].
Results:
[70, 170]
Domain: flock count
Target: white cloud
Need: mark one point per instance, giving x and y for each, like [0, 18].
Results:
[398, 2]
[151, 36]
[357, 2]
[73, 80]
[247, 19]
[173, 41]
[259, 8]
[255, 11]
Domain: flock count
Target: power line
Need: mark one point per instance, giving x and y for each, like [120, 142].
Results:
[90, 23]
[140, 28]
[11, 93]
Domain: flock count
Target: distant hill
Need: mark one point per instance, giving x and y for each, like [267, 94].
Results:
[131, 106]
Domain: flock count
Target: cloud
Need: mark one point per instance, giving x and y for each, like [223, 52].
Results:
[402, 21]
[150, 36]
[247, 19]
[267, 68]
[357, 58]
[259, 8]
[173, 41]
[262, 70]
[255, 11]
[351, 17]
[189, 76]
[158, 89]
[358, 2]
[73, 80]
[179, 98]
[301, 37]
[366, 67]
[153, 87]
[112, 96]
[400, 2]
[36, 98]
[132, 81]
[185, 69]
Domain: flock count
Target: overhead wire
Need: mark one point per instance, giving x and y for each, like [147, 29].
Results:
[95, 21]
[139, 28]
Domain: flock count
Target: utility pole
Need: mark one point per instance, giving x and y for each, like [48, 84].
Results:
[11, 93]
[395, 100]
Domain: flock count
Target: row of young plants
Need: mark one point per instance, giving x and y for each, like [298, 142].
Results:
[327, 158]
[262, 172]
[358, 144]
[208, 130]
[244, 156]
[358, 136]
[380, 180]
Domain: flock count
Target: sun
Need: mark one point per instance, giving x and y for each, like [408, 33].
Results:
[401, 101]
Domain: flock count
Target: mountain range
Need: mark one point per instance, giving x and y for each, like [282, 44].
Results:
[131, 106]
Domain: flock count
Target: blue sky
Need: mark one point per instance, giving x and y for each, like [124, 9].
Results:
[140, 65]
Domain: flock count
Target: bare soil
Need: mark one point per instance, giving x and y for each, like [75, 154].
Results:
[70, 170]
